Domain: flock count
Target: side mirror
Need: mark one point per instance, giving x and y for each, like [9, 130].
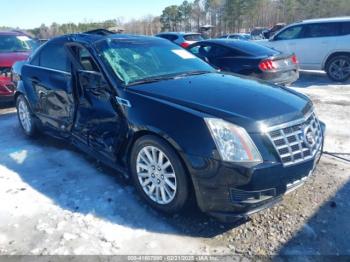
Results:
[91, 81]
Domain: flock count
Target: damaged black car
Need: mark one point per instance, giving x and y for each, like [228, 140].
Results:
[173, 124]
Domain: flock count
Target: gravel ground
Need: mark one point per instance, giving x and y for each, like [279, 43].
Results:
[49, 206]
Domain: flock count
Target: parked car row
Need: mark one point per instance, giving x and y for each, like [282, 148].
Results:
[175, 125]
[231, 54]
[317, 44]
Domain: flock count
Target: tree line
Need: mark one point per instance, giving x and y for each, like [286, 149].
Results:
[229, 16]
[226, 16]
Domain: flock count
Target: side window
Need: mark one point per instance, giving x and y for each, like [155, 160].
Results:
[169, 37]
[290, 33]
[85, 59]
[345, 28]
[322, 30]
[195, 50]
[54, 56]
[204, 50]
[220, 52]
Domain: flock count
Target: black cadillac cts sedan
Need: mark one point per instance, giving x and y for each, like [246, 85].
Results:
[159, 115]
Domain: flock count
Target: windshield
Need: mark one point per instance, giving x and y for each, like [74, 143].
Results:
[134, 61]
[15, 43]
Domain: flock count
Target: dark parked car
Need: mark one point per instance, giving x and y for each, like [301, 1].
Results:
[177, 127]
[14, 46]
[258, 33]
[247, 58]
[269, 33]
[181, 39]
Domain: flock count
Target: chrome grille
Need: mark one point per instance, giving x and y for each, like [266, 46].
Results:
[297, 142]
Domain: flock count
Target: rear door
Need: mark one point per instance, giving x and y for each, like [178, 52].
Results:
[49, 76]
[322, 38]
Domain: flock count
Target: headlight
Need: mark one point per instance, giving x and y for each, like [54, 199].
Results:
[233, 142]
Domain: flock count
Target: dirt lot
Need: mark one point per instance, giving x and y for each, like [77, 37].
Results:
[56, 201]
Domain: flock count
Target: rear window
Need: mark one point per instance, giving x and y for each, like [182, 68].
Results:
[169, 37]
[194, 37]
[253, 49]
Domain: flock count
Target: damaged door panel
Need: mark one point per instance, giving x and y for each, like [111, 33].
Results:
[97, 120]
[52, 83]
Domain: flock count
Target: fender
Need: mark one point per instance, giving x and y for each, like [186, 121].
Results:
[324, 62]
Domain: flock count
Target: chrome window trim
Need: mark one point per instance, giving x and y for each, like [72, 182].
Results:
[49, 69]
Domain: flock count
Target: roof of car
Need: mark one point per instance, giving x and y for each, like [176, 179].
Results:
[178, 33]
[92, 38]
[227, 42]
[11, 33]
[325, 20]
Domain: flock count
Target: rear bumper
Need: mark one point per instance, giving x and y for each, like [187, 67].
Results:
[282, 77]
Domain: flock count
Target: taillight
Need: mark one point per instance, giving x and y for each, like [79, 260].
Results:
[267, 65]
[295, 60]
[185, 44]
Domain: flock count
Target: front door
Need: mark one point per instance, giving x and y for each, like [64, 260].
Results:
[98, 118]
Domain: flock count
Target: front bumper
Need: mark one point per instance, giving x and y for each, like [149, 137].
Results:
[236, 192]
[7, 98]
[7, 90]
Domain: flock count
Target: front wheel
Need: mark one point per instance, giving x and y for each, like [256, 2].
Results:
[338, 68]
[158, 174]
[25, 116]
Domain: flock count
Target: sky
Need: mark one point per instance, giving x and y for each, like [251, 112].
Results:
[28, 14]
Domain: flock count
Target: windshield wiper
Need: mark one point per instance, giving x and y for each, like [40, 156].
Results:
[150, 80]
[166, 77]
[192, 73]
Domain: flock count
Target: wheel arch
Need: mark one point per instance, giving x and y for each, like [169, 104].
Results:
[332, 55]
[168, 140]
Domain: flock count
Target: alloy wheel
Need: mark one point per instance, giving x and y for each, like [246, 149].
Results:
[156, 175]
[24, 116]
[339, 69]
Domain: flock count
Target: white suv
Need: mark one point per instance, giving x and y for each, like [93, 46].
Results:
[320, 44]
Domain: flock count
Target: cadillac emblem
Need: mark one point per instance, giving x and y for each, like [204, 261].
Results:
[309, 136]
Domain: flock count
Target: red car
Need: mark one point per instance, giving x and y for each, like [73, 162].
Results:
[14, 47]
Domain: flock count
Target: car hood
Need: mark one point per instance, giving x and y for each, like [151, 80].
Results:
[8, 59]
[243, 101]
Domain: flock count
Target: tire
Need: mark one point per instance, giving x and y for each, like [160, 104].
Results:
[144, 169]
[338, 68]
[25, 116]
